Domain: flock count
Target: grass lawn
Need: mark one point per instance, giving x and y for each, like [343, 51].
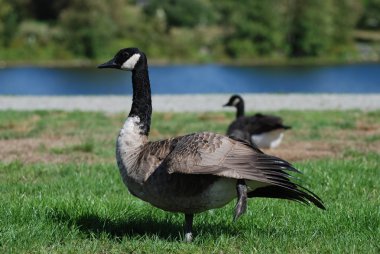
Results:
[61, 191]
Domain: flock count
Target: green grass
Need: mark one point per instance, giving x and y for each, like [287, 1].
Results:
[83, 207]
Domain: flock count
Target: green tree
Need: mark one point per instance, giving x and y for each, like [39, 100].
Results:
[311, 27]
[46, 9]
[344, 27]
[8, 22]
[371, 16]
[253, 27]
[88, 26]
[182, 13]
[184, 30]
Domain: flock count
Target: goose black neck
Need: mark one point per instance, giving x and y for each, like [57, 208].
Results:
[240, 109]
[141, 101]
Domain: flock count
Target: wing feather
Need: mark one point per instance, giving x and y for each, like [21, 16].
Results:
[210, 153]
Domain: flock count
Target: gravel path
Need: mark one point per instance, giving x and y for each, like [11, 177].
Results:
[195, 103]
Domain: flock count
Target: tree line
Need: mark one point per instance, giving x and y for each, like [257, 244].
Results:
[197, 30]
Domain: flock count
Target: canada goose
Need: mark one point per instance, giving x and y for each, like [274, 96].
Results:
[265, 131]
[196, 172]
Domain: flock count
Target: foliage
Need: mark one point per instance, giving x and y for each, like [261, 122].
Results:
[254, 27]
[199, 30]
[343, 26]
[89, 32]
[8, 22]
[181, 13]
[305, 36]
[371, 15]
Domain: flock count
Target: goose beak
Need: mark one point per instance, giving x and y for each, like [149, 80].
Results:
[110, 64]
[226, 105]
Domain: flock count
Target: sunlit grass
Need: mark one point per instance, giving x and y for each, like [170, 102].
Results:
[78, 207]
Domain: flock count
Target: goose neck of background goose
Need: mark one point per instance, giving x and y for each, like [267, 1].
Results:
[141, 101]
[240, 109]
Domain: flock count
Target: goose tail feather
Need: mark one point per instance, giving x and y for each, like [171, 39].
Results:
[299, 194]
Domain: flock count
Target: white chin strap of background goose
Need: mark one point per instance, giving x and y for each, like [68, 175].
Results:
[236, 102]
[131, 62]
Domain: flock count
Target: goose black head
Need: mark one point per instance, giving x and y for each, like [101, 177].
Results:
[127, 59]
[234, 101]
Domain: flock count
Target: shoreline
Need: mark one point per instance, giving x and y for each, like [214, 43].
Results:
[195, 102]
[85, 63]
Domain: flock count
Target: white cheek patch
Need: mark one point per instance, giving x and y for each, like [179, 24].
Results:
[131, 62]
[235, 102]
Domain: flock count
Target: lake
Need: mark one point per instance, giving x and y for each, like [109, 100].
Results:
[194, 79]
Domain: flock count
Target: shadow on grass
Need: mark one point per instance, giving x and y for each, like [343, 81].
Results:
[94, 226]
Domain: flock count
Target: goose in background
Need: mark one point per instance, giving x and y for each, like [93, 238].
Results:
[265, 131]
[195, 172]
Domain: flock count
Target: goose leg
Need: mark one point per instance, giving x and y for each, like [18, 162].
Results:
[241, 205]
[189, 227]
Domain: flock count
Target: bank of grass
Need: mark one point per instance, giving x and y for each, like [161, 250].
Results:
[80, 207]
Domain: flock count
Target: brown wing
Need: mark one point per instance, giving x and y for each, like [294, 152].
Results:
[210, 153]
[152, 155]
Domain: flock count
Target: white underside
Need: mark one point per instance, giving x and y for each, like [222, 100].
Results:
[268, 139]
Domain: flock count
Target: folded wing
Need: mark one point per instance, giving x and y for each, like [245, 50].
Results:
[210, 153]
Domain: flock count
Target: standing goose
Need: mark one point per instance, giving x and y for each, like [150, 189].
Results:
[196, 172]
[265, 131]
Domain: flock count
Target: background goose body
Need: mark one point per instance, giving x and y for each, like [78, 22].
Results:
[195, 172]
[265, 131]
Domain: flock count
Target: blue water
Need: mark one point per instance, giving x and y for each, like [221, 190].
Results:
[192, 79]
